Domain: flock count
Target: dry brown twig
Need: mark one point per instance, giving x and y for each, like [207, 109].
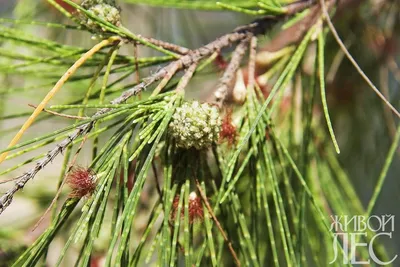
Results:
[186, 78]
[252, 62]
[168, 46]
[71, 165]
[229, 75]
[204, 198]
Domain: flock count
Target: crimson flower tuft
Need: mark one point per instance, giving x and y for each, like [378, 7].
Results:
[195, 208]
[228, 130]
[82, 181]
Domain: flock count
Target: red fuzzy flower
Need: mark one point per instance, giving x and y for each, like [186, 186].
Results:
[228, 130]
[195, 208]
[82, 182]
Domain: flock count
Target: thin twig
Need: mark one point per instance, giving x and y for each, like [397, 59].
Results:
[62, 184]
[168, 46]
[8, 180]
[230, 73]
[170, 71]
[352, 60]
[252, 62]
[186, 78]
[61, 115]
[204, 198]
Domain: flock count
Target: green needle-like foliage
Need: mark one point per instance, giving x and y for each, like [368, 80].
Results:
[247, 174]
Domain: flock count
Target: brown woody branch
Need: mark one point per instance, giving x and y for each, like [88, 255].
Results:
[230, 73]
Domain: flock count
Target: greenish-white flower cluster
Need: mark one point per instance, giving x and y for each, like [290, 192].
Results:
[195, 125]
[90, 3]
[104, 9]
